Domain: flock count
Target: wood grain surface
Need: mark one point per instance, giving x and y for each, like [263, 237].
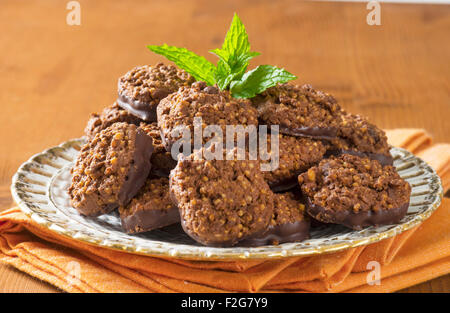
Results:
[53, 75]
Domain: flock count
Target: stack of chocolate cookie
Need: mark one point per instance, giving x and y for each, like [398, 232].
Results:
[334, 167]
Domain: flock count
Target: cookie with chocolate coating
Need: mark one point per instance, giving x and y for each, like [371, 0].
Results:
[300, 111]
[356, 135]
[355, 192]
[289, 223]
[110, 115]
[110, 169]
[221, 202]
[295, 155]
[162, 160]
[213, 106]
[142, 88]
[150, 209]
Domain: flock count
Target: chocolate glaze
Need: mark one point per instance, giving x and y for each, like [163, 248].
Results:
[358, 220]
[138, 108]
[382, 158]
[317, 224]
[146, 220]
[159, 172]
[285, 185]
[139, 170]
[289, 232]
[311, 132]
[91, 208]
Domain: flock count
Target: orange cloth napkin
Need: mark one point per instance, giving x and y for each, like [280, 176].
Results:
[412, 139]
[410, 258]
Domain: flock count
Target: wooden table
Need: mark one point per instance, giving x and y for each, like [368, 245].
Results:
[53, 75]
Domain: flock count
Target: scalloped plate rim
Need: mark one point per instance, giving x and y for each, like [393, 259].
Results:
[172, 250]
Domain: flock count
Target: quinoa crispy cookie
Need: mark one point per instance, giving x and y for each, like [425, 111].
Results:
[288, 222]
[355, 192]
[359, 137]
[110, 169]
[162, 161]
[110, 115]
[141, 89]
[215, 107]
[300, 111]
[152, 208]
[221, 202]
[295, 156]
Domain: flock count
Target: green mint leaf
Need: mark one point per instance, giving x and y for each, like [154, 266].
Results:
[223, 75]
[234, 58]
[222, 54]
[240, 63]
[232, 70]
[236, 41]
[258, 80]
[235, 52]
[192, 63]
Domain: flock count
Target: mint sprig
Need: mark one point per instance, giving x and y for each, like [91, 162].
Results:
[191, 62]
[258, 80]
[235, 52]
[236, 40]
[223, 75]
[230, 71]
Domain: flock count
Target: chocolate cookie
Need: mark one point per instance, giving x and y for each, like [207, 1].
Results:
[142, 88]
[110, 115]
[110, 169]
[300, 111]
[288, 223]
[359, 137]
[213, 106]
[355, 192]
[162, 161]
[152, 208]
[221, 202]
[295, 156]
